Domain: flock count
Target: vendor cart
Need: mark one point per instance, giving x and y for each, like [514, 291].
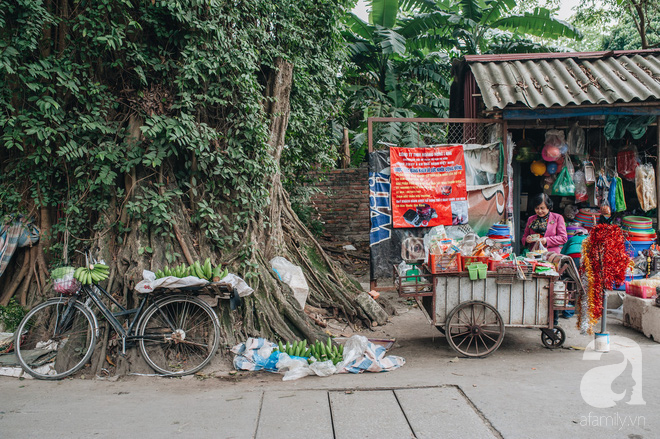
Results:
[473, 314]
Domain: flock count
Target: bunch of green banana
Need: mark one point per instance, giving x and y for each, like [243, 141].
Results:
[319, 350]
[297, 349]
[219, 274]
[197, 269]
[94, 273]
[180, 271]
[327, 351]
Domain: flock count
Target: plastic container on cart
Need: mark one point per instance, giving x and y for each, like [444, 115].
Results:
[445, 263]
[483, 270]
[473, 271]
[494, 265]
[477, 270]
[467, 260]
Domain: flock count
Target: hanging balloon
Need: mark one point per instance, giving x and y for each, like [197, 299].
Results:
[552, 168]
[537, 167]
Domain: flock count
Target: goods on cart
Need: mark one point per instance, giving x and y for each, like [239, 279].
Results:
[197, 269]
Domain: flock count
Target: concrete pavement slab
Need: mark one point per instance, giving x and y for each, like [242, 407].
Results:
[295, 414]
[368, 414]
[441, 412]
[39, 409]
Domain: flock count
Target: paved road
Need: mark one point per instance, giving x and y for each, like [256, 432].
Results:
[521, 391]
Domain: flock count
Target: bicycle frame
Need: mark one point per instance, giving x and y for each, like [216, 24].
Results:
[125, 333]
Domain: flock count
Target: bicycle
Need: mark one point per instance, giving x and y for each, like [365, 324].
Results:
[177, 334]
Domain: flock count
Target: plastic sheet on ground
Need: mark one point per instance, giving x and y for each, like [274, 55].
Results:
[360, 355]
[255, 354]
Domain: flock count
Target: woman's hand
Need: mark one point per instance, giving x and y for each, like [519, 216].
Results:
[543, 241]
[529, 239]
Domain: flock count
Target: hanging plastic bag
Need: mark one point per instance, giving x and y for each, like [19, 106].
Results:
[580, 187]
[620, 197]
[564, 185]
[554, 137]
[627, 161]
[611, 195]
[645, 187]
[576, 140]
[589, 173]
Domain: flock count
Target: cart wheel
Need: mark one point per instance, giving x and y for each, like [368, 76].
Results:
[474, 329]
[553, 338]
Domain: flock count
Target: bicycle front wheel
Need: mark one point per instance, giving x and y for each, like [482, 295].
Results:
[55, 339]
[179, 335]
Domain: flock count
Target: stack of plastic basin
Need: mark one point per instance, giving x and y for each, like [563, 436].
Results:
[639, 232]
[500, 234]
[588, 216]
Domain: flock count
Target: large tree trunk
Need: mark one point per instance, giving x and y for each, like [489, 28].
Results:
[271, 311]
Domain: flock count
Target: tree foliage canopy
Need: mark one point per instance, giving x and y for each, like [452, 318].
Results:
[93, 90]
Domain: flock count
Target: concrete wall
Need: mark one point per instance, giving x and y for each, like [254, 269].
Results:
[343, 204]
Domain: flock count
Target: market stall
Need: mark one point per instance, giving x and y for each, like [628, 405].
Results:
[581, 128]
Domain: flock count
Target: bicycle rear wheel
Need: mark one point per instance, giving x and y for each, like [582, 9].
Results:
[179, 335]
[55, 339]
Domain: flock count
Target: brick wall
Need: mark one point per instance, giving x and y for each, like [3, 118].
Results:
[343, 204]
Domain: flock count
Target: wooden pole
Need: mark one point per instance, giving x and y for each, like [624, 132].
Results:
[346, 154]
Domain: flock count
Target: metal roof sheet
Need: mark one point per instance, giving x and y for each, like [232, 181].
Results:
[567, 79]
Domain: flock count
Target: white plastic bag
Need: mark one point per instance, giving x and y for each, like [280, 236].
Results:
[580, 187]
[292, 368]
[293, 276]
[323, 368]
[242, 288]
[645, 187]
[576, 140]
[354, 349]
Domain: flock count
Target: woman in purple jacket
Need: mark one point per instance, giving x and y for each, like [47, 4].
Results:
[550, 226]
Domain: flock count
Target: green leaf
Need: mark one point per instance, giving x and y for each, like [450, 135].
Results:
[538, 23]
[391, 41]
[383, 13]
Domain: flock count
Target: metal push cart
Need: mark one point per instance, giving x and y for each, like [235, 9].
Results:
[473, 314]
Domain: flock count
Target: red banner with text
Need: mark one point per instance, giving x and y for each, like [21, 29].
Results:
[428, 186]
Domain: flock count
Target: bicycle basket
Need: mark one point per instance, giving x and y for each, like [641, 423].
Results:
[64, 282]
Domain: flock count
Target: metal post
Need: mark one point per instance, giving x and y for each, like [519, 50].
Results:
[603, 320]
[657, 167]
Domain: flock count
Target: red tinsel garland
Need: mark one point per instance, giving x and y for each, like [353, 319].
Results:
[605, 262]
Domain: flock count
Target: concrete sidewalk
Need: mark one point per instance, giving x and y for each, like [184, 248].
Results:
[521, 391]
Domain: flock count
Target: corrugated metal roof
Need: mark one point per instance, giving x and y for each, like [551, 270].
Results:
[567, 79]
